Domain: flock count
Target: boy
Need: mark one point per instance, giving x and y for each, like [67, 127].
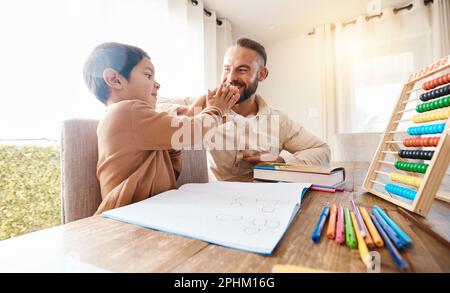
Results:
[136, 159]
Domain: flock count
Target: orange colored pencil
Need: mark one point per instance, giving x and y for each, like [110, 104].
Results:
[331, 231]
[371, 227]
[369, 241]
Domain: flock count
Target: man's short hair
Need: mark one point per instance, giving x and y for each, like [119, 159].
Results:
[255, 46]
[120, 57]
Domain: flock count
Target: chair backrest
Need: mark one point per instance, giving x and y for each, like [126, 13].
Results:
[195, 167]
[355, 147]
[80, 189]
[358, 147]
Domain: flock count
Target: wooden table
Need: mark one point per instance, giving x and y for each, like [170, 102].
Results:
[119, 247]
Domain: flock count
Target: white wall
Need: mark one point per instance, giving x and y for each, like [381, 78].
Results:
[293, 85]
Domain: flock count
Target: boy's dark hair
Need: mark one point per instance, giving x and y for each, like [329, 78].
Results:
[253, 45]
[120, 57]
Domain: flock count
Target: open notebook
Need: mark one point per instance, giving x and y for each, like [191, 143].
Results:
[246, 216]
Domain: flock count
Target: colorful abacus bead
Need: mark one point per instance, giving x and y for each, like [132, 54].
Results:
[416, 154]
[441, 103]
[425, 85]
[421, 142]
[432, 116]
[411, 167]
[402, 178]
[441, 80]
[426, 129]
[400, 191]
[434, 94]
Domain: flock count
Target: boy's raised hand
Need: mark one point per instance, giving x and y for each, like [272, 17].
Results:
[224, 97]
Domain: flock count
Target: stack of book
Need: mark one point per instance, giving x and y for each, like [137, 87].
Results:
[317, 175]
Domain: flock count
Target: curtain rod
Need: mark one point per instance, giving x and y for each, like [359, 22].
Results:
[207, 13]
[407, 7]
[369, 17]
[344, 24]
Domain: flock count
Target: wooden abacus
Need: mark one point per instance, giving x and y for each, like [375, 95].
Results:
[425, 187]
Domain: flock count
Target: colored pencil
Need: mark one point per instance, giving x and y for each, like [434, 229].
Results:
[405, 238]
[398, 242]
[350, 237]
[361, 226]
[372, 230]
[332, 190]
[362, 248]
[331, 231]
[340, 230]
[390, 246]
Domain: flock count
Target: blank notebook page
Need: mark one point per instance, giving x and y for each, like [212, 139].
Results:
[247, 216]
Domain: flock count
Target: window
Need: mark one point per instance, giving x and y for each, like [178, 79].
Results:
[45, 44]
[378, 83]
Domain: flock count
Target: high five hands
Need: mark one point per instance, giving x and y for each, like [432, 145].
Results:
[224, 97]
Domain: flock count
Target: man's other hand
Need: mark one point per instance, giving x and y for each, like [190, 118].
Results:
[256, 157]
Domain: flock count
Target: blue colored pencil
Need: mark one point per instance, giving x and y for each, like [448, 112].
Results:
[391, 223]
[398, 242]
[399, 261]
[322, 219]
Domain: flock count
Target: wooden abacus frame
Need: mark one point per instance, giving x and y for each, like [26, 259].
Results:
[439, 162]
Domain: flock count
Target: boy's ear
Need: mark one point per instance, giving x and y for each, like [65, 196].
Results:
[112, 78]
[263, 73]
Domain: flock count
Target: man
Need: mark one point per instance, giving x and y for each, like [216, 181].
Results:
[253, 141]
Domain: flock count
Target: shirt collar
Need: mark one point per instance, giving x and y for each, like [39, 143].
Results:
[263, 108]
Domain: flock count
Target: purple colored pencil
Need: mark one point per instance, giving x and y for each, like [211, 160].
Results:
[362, 227]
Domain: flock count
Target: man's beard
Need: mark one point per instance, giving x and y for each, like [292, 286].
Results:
[248, 91]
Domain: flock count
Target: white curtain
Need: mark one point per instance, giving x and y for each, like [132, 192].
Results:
[210, 47]
[323, 35]
[184, 52]
[224, 39]
[218, 38]
[45, 44]
[373, 60]
[440, 28]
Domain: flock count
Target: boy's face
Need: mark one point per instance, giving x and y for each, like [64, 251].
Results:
[142, 84]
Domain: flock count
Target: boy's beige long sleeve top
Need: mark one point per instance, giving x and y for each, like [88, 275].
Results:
[136, 156]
